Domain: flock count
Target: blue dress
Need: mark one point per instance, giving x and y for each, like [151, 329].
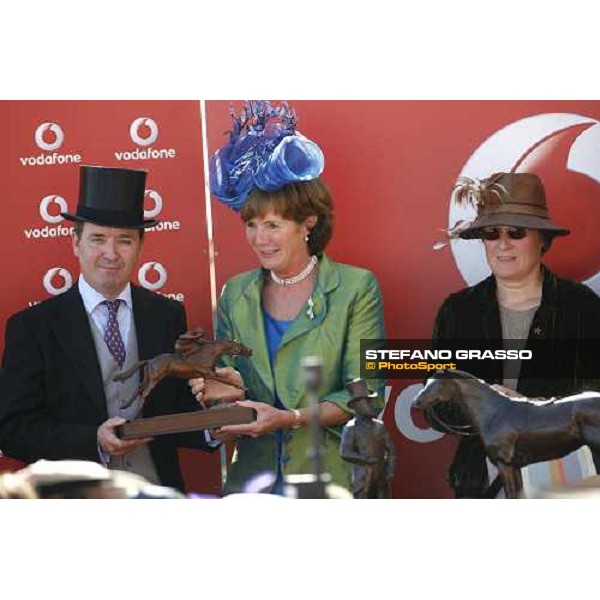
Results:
[274, 330]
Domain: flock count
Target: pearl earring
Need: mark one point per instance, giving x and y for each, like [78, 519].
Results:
[306, 237]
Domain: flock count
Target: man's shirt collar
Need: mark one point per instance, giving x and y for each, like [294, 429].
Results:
[92, 298]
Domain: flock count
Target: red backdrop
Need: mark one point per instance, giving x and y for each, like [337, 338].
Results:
[390, 166]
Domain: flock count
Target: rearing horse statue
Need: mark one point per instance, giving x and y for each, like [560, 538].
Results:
[515, 431]
[194, 357]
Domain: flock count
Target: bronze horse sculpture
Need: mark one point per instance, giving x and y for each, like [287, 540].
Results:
[194, 357]
[515, 431]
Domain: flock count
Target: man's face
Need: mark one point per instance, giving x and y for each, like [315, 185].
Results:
[107, 257]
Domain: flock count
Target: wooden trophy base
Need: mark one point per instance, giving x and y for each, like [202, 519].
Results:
[182, 422]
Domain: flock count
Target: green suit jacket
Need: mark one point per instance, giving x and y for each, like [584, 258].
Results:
[347, 307]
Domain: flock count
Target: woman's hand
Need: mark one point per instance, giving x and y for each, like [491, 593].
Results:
[221, 436]
[268, 418]
[210, 390]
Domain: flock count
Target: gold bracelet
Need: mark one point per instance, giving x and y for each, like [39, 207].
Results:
[298, 420]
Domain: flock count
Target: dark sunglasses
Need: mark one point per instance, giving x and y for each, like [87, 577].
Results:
[493, 233]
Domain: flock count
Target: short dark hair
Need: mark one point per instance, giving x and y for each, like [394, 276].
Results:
[78, 229]
[296, 201]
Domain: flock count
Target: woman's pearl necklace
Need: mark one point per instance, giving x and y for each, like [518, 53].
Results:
[303, 275]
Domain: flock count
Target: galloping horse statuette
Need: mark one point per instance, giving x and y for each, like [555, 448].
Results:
[515, 431]
[194, 357]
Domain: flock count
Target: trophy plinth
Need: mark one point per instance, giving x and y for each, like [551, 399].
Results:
[183, 422]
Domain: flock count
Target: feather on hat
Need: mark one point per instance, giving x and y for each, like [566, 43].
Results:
[264, 151]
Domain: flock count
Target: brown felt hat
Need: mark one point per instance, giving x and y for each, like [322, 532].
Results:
[509, 199]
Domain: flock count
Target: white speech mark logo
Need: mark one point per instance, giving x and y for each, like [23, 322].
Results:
[57, 280]
[504, 151]
[145, 271]
[403, 417]
[158, 204]
[134, 131]
[45, 204]
[59, 136]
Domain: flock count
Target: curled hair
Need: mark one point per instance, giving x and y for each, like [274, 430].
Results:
[296, 201]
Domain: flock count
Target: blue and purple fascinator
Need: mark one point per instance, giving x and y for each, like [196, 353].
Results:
[264, 151]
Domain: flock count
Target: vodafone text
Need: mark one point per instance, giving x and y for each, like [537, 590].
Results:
[47, 232]
[50, 159]
[146, 154]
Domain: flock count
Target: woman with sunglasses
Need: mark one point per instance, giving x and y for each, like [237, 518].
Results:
[521, 305]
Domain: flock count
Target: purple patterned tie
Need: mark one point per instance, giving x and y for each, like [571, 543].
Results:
[112, 335]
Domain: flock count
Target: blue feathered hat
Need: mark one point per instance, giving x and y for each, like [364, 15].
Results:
[264, 151]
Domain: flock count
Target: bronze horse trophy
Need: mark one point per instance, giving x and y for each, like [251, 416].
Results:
[194, 356]
[515, 431]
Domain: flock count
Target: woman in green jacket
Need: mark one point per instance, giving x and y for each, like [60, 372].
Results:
[298, 303]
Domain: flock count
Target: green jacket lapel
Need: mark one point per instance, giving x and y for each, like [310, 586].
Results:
[248, 310]
[311, 317]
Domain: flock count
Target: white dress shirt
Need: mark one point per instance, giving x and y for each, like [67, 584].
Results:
[92, 301]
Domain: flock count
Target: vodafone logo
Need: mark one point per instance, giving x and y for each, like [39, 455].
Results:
[155, 199]
[403, 416]
[153, 205]
[58, 204]
[57, 280]
[143, 131]
[49, 136]
[152, 276]
[563, 149]
[50, 208]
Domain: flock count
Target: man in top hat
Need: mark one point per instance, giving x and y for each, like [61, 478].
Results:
[521, 305]
[367, 445]
[58, 399]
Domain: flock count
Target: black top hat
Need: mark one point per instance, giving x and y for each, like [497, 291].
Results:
[112, 197]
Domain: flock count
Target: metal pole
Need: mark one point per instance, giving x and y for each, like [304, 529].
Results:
[313, 373]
